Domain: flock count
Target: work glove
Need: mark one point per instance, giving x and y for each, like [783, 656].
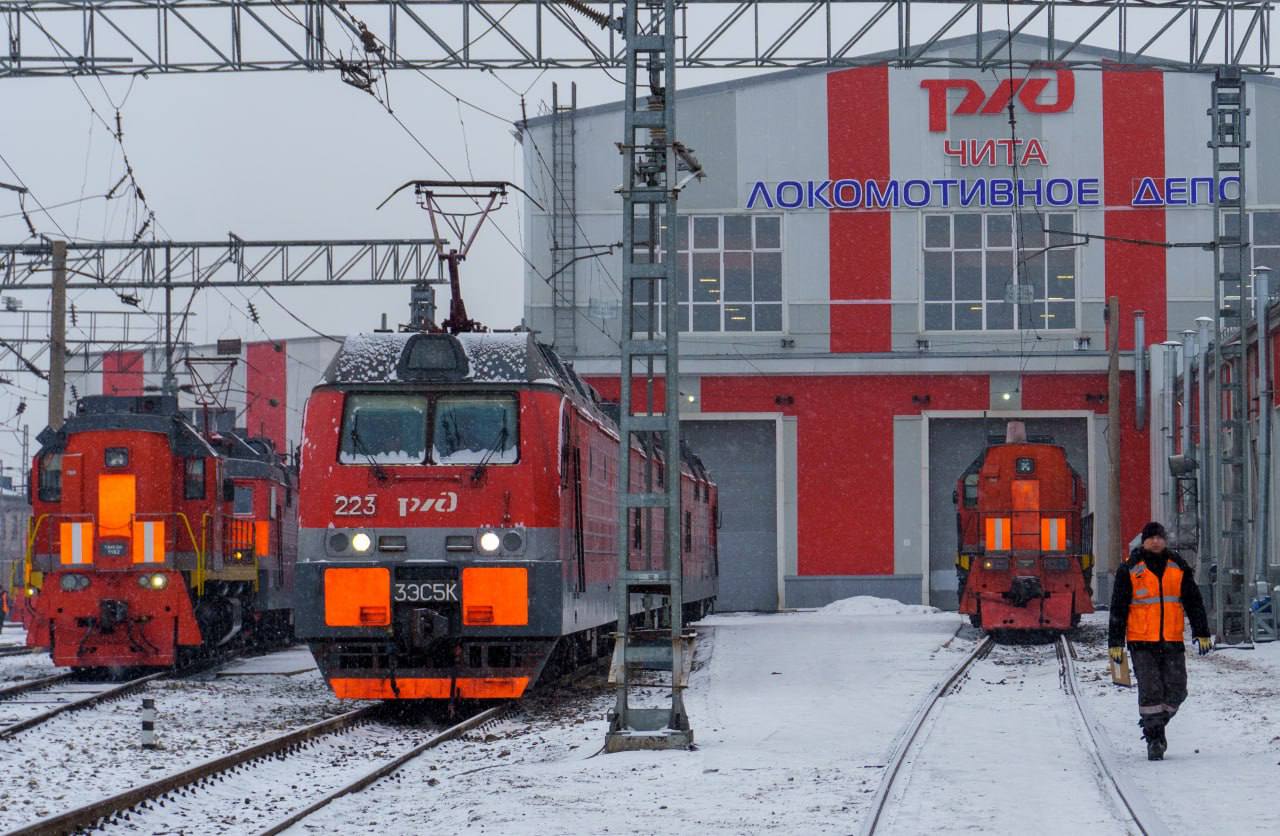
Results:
[1204, 644]
[1116, 654]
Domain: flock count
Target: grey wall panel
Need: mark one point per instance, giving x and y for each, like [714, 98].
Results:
[741, 456]
[953, 445]
[908, 522]
[805, 591]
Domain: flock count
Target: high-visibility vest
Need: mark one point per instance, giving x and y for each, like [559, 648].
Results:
[1155, 613]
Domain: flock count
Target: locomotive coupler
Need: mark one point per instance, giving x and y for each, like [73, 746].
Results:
[111, 614]
[428, 626]
[1024, 589]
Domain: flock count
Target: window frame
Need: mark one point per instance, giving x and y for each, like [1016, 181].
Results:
[434, 402]
[985, 249]
[186, 478]
[687, 254]
[43, 493]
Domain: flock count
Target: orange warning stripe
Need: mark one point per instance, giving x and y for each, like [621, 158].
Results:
[416, 688]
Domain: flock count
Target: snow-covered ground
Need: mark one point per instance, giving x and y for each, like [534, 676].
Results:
[795, 715]
[93, 753]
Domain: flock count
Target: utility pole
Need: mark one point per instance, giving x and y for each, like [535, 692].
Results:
[1115, 545]
[58, 336]
[168, 383]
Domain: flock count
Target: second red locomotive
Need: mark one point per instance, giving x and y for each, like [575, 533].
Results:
[152, 541]
[1025, 558]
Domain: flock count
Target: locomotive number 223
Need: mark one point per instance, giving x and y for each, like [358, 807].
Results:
[355, 506]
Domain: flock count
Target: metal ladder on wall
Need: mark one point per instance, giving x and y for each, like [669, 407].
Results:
[651, 635]
[564, 221]
[1228, 115]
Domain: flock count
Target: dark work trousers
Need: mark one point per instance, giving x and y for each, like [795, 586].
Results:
[1162, 684]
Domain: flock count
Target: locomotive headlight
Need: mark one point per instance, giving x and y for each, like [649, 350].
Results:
[156, 581]
[490, 542]
[72, 582]
[31, 592]
[361, 542]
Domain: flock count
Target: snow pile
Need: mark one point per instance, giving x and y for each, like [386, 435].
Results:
[870, 605]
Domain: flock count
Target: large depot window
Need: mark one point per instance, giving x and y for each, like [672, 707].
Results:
[975, 279]
[730, 274]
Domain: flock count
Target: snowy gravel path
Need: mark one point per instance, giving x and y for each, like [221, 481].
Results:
[94, 753]
[793, 715]
[1007, 734]
[1224, 745]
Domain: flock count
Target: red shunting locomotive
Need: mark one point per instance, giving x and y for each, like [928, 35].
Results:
[151, 541]
[1025, 557]
[459, 523]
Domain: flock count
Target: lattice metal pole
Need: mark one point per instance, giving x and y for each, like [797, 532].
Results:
[649, 509]
[564, 221]
[1228, 115]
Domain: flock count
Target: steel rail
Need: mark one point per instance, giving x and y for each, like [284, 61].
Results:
[912, 730]
[1144, 816]
[392, 766]
[90, 814]
[34, 684]
[19, 651]
[114, 692]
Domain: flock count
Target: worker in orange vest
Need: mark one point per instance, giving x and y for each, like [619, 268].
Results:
[1154, 591]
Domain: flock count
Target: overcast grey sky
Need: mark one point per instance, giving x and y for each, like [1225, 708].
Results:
[288, 155]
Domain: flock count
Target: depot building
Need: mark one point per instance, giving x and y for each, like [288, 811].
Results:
[879, 271]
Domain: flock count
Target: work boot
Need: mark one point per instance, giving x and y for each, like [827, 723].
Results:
[1154, 735]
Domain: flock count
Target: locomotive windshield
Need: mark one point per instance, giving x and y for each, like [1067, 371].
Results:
[380, 429]
[384, 429]
[474, 430]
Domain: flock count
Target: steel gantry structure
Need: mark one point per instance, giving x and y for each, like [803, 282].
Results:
[134, 37]
[650, 39]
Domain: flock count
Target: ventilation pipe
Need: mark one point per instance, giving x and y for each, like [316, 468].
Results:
[1140, 369]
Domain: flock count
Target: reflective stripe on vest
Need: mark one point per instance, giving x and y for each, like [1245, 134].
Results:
[77, 543]
[1155, 612]
[997, 534]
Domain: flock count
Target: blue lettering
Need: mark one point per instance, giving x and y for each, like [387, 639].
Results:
[922, 186]
[1058, 183]
[815, 196]
[853, 187]
[1001, 191]
[1037, 190]
[789, 204]
[977, 191]
[882, 199]
[759, 192]
[945, 187]
[1223, 197]
[1087, 191]
[1175, 191]
[1207, 182]
[1148, 193]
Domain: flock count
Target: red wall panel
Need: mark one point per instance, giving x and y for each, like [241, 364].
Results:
[122, 372]
[266, 380]
[860, 256]
[1067, 391]
[1133, 148]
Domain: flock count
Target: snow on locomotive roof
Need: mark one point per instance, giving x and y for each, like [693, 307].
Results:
[490, 358]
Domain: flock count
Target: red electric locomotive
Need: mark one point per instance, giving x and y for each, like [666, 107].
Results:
[458, 518]
[151, 541]
[1025, 557]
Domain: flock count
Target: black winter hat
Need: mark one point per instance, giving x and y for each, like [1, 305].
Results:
[1154, 529]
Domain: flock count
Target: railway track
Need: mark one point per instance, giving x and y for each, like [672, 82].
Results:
[196, 781]
[996, 706]
[29, 704]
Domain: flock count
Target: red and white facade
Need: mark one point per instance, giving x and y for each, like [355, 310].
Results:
[852, 273]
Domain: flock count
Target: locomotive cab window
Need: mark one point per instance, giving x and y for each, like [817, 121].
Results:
[243, 503]
[384, 429]
[475, 429]
[971, 490]
[1025, 465]
[116, 457]
[193, 479]
[51, 477]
